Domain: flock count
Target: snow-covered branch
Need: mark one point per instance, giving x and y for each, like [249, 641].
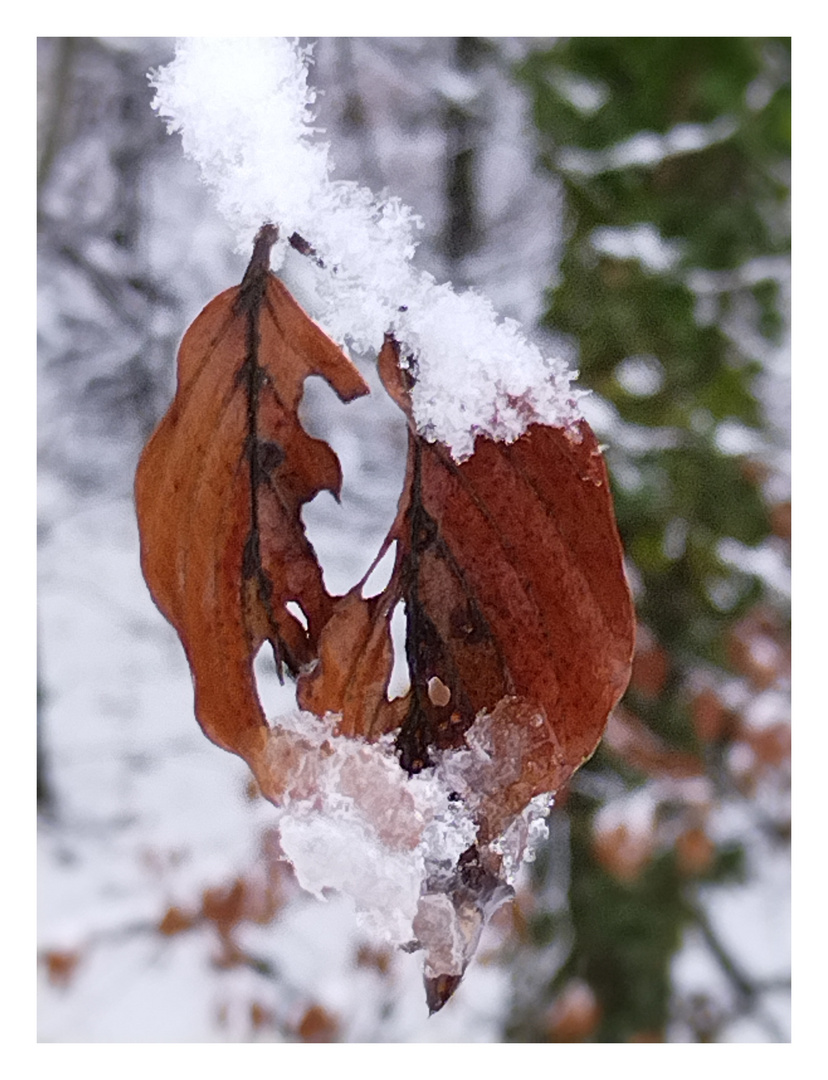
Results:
[244, 109]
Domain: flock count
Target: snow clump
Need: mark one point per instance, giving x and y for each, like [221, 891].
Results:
[351, 820]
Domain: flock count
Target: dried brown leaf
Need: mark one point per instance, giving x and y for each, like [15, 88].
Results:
[219, 490]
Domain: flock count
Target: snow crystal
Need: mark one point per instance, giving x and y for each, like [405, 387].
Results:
[524, 836]
[244, 110]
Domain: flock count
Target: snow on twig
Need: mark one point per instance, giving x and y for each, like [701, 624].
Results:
[244, 109]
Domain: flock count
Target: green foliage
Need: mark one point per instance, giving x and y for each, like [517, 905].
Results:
[673, 156]
[627, 951]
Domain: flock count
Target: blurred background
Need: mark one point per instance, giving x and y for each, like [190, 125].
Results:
[628, 200]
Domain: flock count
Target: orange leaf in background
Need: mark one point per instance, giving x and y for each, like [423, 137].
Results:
[651, 665]
[318, 1026]
[629, 738]
[379, 959]
[261, 1016]
[712, 720]
[780, 516]
[756, 648]
[695, 851]
[175, 921]
[219, 490]
[60, 967]
[574, 1014]
[622, 850]
[771, 745]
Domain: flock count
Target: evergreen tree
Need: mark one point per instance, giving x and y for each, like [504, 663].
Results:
[673, 156]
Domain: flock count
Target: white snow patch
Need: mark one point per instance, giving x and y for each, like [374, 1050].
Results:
[642, 241]
[646, 148]
[641, 376]
[352, 821]
[343, 853]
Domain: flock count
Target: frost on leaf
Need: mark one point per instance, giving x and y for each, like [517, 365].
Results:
[519, 626]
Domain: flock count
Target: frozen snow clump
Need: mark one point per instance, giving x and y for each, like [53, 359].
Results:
[352, 820]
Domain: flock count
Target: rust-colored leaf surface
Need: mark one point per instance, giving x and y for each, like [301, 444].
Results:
[517, 606]
[356, 656]
[219, 490]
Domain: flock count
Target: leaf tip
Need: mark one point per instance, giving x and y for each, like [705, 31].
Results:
[438, 991]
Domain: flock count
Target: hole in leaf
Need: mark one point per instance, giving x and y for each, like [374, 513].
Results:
[297, 612]
[369, 437]
[400, 681]
[381, 574]
[276, 698]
